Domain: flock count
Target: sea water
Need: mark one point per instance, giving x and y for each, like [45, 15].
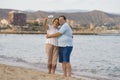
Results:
[94, 56]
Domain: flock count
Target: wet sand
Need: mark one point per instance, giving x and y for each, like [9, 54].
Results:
[19, 73]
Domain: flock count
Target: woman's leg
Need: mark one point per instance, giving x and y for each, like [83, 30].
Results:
[49, 51]
[53, 69]
[49, 68]
[54, 59]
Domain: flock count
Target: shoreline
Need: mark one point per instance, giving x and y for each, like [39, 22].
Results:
[8, 72]
[43, 69]
[74, 33]
[32, 32]
[82, 33]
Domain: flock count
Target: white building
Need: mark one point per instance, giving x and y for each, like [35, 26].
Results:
[4, 22]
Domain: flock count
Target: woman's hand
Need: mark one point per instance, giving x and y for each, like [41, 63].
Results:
[48, 36]
[46, 18]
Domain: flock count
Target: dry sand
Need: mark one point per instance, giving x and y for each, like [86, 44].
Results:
[19, 73]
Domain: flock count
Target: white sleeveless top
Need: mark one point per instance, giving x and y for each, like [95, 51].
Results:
[52, 30]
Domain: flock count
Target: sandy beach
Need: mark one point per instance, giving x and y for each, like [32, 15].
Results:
[19, 73]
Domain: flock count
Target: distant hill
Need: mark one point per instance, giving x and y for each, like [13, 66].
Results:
[70, 11]
[84, 17]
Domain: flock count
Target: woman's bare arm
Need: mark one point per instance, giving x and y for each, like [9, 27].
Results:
[53, 35]
[45, 23]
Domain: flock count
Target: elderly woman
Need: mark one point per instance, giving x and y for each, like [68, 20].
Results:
[51, 44]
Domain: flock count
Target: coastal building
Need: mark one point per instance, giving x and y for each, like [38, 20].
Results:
[17, 18]
[91, 26]
[71, 23]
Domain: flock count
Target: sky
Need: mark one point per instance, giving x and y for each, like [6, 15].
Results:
[112, 6]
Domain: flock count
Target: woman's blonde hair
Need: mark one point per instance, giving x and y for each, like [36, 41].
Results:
[55, 19]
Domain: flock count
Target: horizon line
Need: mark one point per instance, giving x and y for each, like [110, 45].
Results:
[62, 10]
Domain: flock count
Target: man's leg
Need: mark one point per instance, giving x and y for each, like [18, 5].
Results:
[66, 54]
[68, 65]
[64, 69]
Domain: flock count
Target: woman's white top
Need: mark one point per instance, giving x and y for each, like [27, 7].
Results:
[52, 30]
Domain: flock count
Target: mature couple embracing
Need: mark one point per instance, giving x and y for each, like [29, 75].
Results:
[59, 43]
